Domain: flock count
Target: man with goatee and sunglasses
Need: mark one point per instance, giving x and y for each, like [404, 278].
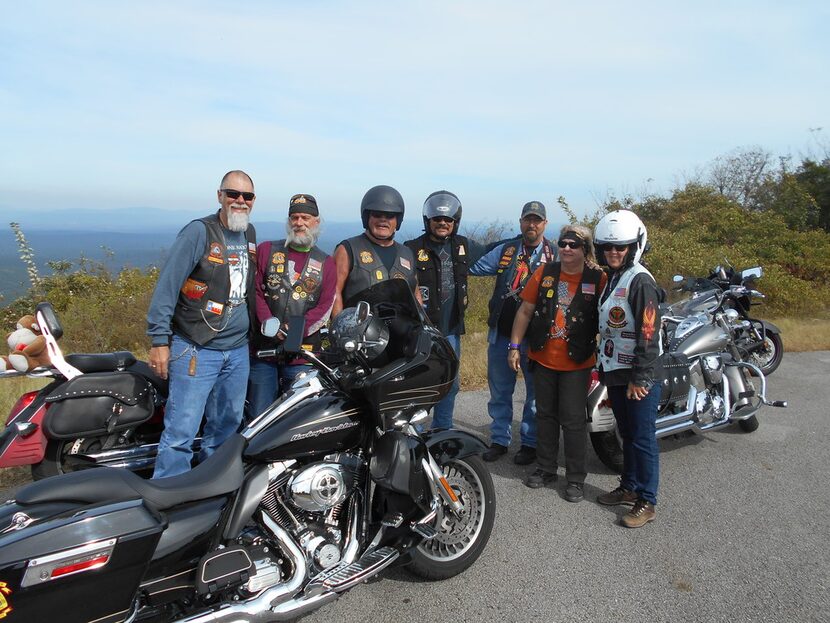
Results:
[199, 322]
[442, 258]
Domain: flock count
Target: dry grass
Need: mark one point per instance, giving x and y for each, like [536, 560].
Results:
[804, 334]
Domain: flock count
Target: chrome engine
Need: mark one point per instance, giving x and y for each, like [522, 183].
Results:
[707, 377]
[310, 502]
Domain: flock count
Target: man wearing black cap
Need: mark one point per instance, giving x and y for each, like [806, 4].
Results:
[512, 263]
[294, 278]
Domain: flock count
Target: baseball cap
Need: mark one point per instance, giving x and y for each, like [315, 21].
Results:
[536, 208]
[304, 204]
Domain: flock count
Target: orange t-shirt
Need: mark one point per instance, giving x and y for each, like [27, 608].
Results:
[554, 355]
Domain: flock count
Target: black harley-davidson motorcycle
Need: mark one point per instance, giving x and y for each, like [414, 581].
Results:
[326, 488]
[706, 382]
[96, 409]
[760, 341]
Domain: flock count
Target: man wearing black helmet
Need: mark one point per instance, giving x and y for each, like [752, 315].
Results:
[441, 259]
[512, 263]
[374, 256]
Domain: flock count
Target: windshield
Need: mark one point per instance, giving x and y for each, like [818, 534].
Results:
[390, 298]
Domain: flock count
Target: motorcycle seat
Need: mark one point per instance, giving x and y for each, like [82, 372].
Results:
[219, 474]
[101, 362]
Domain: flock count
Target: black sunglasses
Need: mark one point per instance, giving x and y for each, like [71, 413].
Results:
[571, 244]
[234, 194]
[619, 248]
[443, 219]
[387, 215]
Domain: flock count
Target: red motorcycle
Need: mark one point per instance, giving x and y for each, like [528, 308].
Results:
[99, 409]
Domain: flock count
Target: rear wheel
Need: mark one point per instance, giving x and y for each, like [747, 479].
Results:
[58, 457]
[608, 446]
[460, 539]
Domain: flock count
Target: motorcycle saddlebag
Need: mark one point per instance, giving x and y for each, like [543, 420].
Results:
[97, 404]
[84, 564]
[675, 379]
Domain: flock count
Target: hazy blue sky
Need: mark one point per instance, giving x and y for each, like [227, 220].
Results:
[144, 103]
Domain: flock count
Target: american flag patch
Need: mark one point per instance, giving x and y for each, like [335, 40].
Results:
[405, 263]
[588, 288]
[251, 247]
[620, 292]
[314, 264]
[214, 308]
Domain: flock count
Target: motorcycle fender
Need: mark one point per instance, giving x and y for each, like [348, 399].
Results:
[768, 326]
[446, 445]
[599, 421]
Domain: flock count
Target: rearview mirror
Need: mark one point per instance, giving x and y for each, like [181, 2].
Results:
[752, 273]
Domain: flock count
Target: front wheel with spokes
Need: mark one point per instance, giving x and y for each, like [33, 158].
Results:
[462, 537]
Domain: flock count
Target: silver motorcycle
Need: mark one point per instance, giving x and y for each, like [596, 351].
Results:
[760, 342]
[706, 383]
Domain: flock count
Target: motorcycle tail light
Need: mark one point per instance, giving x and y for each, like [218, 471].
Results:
[87, 565]
[24, 401]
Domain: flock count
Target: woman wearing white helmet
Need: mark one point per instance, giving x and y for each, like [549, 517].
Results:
[629, 359]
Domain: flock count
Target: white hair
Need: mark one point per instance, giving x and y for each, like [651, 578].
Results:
[305, 240]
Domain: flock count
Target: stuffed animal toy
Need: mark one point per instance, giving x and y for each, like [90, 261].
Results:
[27, 347]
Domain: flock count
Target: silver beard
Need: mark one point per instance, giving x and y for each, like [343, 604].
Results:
[238, 221]
[306, 239]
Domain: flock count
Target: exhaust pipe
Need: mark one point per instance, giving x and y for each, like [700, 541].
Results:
[271, 601]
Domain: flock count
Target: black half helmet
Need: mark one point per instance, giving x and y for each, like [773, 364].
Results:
[382, 199]
[442, 203]
[357, 329]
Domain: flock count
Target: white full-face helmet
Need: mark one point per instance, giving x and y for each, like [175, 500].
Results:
[621, 227]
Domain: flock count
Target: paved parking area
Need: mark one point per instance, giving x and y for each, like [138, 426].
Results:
[742, 533]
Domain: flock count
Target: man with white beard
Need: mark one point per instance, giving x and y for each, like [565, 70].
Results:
[199, 320]
[293, 278]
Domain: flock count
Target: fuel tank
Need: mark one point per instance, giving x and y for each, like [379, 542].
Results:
[329, 422]
[706, 338]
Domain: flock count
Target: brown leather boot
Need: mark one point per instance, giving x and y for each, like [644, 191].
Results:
[642, 513]
[617, 496]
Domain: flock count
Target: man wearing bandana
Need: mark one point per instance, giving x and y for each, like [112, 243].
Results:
[512, 263]
[294, 277]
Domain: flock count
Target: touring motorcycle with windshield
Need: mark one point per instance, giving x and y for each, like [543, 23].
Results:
[326, 488]
[706, 382]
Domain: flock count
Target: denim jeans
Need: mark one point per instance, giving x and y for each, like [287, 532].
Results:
[269, 379]
[560, 403]
[216, 391]
[636, 421]
[442, 414]
[502, 382]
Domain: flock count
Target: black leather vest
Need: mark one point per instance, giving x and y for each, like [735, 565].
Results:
[368, 269]
[429, 277]
[285, 299]
[202, 308]
[581, 317]
[504, 277]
